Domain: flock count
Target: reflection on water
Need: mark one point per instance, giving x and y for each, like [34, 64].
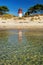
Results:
[29, 52]
[20, 35]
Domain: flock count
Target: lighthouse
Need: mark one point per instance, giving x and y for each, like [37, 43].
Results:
[20, 12]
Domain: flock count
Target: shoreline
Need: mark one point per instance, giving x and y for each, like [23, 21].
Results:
[31, 25]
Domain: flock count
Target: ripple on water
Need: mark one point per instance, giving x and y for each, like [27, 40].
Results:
[27, 51]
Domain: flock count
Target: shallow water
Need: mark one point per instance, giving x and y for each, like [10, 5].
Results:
[21, 47]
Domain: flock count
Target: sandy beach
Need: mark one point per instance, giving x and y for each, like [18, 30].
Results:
[25, 23]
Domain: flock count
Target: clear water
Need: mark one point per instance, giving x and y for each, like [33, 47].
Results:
[24, 49]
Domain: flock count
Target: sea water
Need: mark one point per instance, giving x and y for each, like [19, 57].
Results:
[21, 47]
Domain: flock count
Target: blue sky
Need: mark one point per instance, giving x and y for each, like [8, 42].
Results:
[14, 5]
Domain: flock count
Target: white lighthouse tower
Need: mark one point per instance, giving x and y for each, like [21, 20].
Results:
[20, 12]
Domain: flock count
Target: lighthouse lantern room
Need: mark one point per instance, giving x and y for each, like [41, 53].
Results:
[20, 12]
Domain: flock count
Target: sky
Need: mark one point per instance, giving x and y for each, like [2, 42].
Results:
[14, 5]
